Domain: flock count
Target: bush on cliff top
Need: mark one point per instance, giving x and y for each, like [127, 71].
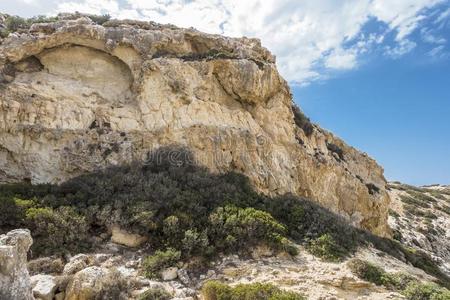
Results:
[302, 121]
[16, 23]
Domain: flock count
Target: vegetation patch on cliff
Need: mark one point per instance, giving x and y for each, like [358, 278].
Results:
[183, 207]
[302, 121]
[19, 24]
[410, 287]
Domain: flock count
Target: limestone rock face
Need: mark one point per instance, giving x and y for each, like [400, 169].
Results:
[44, 286]
[77, 96]
[123, 237]
[15, 281]
[94, 283]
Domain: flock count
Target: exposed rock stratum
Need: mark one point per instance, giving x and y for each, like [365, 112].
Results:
[77, 96]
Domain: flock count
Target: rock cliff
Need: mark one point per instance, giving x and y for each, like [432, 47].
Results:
[77, 96]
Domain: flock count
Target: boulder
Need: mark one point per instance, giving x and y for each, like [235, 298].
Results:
[125, 238]
[15, 283]
[169, 274]
[60, 296]
[96, 283]
[76, 263]
[44, 286]
[183, 276]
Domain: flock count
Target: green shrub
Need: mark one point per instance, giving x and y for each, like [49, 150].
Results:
[337, 150]
[288, 246]
[233, 226]
[11, 214]
[421, 196]
[155, 294]
[426, 291]
[214, 290]
[429, 215]
[422, 260]
[41, 19]
[100, 19]
[195, 242]
[397, 281]
[326, 248]
[445, 208]
[56, 231]
[437, 194]
[302, 121]
[401, 282]
[393, 213]
[161, 259]
[367, 271]
[14, 23]
[4, 33]
[397, 235]
[113, 286]
[414, 201]
[407, 187]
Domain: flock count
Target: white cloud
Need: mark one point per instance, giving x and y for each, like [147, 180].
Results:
[436, 51]
[444, 15]
[308, 37]
[401, 15]
[29, 1]
[340, 59]
[403, 47]
[429, 37]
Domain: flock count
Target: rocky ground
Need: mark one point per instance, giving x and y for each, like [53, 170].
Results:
[419, 225]
[420, 218]
[114, 272]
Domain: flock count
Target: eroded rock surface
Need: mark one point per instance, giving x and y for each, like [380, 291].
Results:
[77, 96]
[15, 281]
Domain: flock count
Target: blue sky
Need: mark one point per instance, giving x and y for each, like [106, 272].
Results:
[397, 109]
[374, 72]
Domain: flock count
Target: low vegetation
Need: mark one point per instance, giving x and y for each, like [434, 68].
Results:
[425, 291]
[414, 201]
[407, 285]
[367, 271]
[160, 260]
[215, 290]
[18, 24]
[302, 121]
[184, 209]
[326, 247]
[155, 294]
